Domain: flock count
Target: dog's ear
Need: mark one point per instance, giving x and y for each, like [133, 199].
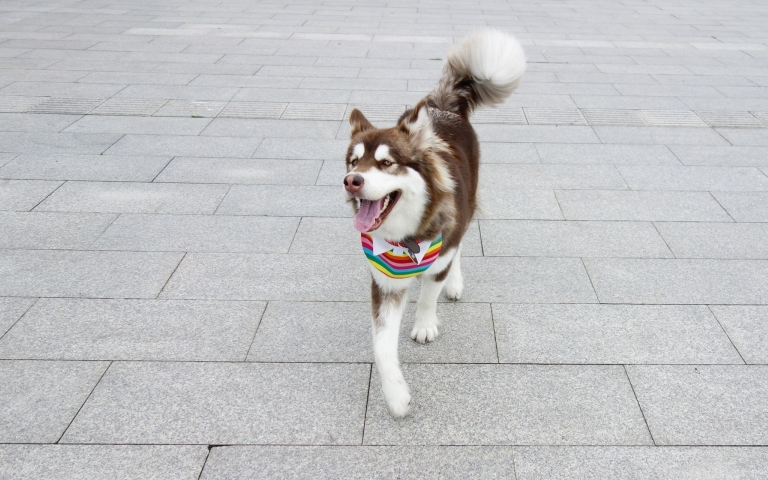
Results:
[359, 122]
[418, 118]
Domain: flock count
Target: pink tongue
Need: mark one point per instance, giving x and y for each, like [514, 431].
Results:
[367, 215]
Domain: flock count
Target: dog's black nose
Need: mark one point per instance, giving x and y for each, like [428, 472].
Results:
[353, 182]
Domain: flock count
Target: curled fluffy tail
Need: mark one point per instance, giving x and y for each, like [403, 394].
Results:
[483, 70]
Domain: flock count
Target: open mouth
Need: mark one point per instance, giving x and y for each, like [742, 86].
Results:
[372, 213]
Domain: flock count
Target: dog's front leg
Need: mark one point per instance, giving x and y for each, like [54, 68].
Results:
[388, 306]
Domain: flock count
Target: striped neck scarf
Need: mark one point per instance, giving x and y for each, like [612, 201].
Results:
[395, 260]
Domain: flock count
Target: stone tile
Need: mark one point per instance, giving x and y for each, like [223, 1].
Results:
[23, 195]
[641, 206]
[290, 332]
[535, 133]
[725, 156]
[108, 168]
[179, 92]
[138, 125]
[62, 89]
[283, 200]
[240, 170]
[523, 238]
[33, 230]
[22, 122]
[270, 277]
[62, 273]
[40, 399]
[679, 281]
[746, 206]
[510, 405]
[358, 462]
[291, 95]
[526, 280]
[248, 127]
[7, 157]
[185, 145]
[88, 462]
[681, 178]
[705, 404]
[53, 143]
[613, 334]
[504, 177]
[508, 153]
[518, 204]
[169, 330]
[659, 135]
[631, 102]
[11, 309]
[128, 197]
[605, 154]
[316, 149]
[198, 233]
[741, 136]
[636, 463]
[222, 403]
[716, 240]
[747, 327]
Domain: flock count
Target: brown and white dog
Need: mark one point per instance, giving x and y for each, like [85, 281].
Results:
[414, 184]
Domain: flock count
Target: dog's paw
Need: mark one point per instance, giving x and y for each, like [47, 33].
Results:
[453, 291]
[398, 396]
[423, 332]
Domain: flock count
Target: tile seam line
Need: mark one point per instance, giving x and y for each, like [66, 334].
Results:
[591, 283]
[47, 196]
[205, 462]
[20, 317]
[84, 402]
[709, 307]
[367, 400]
[103, 231]
[413, 445]
[256, 330]
[171, 276]
[664, 239]
[637, 401]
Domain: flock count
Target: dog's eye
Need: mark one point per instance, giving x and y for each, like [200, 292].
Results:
[353, 162]
[386, 163]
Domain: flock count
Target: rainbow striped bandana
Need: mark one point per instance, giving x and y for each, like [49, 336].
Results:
[396, 260]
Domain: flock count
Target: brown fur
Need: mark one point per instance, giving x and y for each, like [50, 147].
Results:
[379, 297]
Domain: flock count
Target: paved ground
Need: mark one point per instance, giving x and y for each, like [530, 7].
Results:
[182, 293]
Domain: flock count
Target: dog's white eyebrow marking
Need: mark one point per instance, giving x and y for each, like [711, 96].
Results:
[358, 151]
[382, 152]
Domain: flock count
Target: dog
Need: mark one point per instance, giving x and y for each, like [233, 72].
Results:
[413, 190]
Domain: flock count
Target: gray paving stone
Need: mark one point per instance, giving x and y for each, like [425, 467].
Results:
[32, 230]
[510, 404]
[138, 125]
[605, 154]
[640, 206]
[62, 90]
[535, 133]
[659, 135]
[198, 233]
[20, 122]
[169, 330]
[571, 239]
[682, 178]
[716, 240]
[62, 273]
[270, 277]
[178, 92]
[526, 280]
[131, 197]
[725, 156]
[679, 281]
[747, 327]
[284, 200]
[84, 167]
[636, 463]
[40, 399]
[222, 403]
[508, 153]
[614, 334]
[744, 206]
[240, 171]
[52, 143]
[102, 462]
[518, 204]
[705, 404]
[630, 102]
[741, 136]
[23, 195]
[315, 149]
[242, 127]
[359, 462]
[498, 176]
[7, 157]
[185, 145]
[290, 95]
[290, 332]
[11, 309]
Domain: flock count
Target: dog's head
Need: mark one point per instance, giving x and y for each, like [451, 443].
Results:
[395, 176]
